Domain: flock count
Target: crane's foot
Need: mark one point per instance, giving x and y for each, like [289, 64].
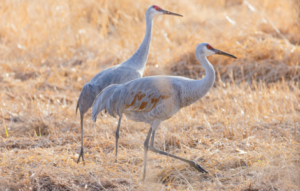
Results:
[82, 156]
[198, 167]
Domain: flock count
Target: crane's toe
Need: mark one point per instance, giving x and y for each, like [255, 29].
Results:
[81, 155]
[198, 167]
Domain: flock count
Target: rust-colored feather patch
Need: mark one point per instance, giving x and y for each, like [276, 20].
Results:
[143, 105]
[139, 96]
[153, 101]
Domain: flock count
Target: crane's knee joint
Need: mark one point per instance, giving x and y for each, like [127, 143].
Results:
[117, 134]
[146, 146]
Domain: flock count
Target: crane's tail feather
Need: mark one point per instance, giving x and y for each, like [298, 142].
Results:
[103, 100]
[85, 99]
[77, 106]
[116, 102]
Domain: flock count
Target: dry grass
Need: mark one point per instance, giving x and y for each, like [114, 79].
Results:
[245, 132]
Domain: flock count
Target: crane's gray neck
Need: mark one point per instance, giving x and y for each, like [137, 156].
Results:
[139, 59]
[209, 79]
[198, 88]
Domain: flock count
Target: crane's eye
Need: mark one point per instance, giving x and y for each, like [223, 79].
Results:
[157, 8]
[209, 47]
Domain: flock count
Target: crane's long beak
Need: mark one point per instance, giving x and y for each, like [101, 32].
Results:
[170, 13]
[224, 53]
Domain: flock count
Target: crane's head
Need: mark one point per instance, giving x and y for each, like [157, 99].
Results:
[206, 49]
[155, 10]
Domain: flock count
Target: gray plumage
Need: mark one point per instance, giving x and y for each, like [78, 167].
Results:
[115, 75]
[157, 98]
[129, 70]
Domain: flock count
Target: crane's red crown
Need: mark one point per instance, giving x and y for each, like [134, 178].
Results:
[209, 47]
[157, 8]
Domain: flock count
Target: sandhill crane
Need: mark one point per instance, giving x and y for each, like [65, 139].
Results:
[129, 70]
[157, 98]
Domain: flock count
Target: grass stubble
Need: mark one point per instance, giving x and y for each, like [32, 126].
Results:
[245, 132]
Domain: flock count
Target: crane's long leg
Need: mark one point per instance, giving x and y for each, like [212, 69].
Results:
[81, 150]
[117, 137]
[192, 163]
[146, 146]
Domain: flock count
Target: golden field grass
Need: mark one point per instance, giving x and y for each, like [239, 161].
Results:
[245, 131]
